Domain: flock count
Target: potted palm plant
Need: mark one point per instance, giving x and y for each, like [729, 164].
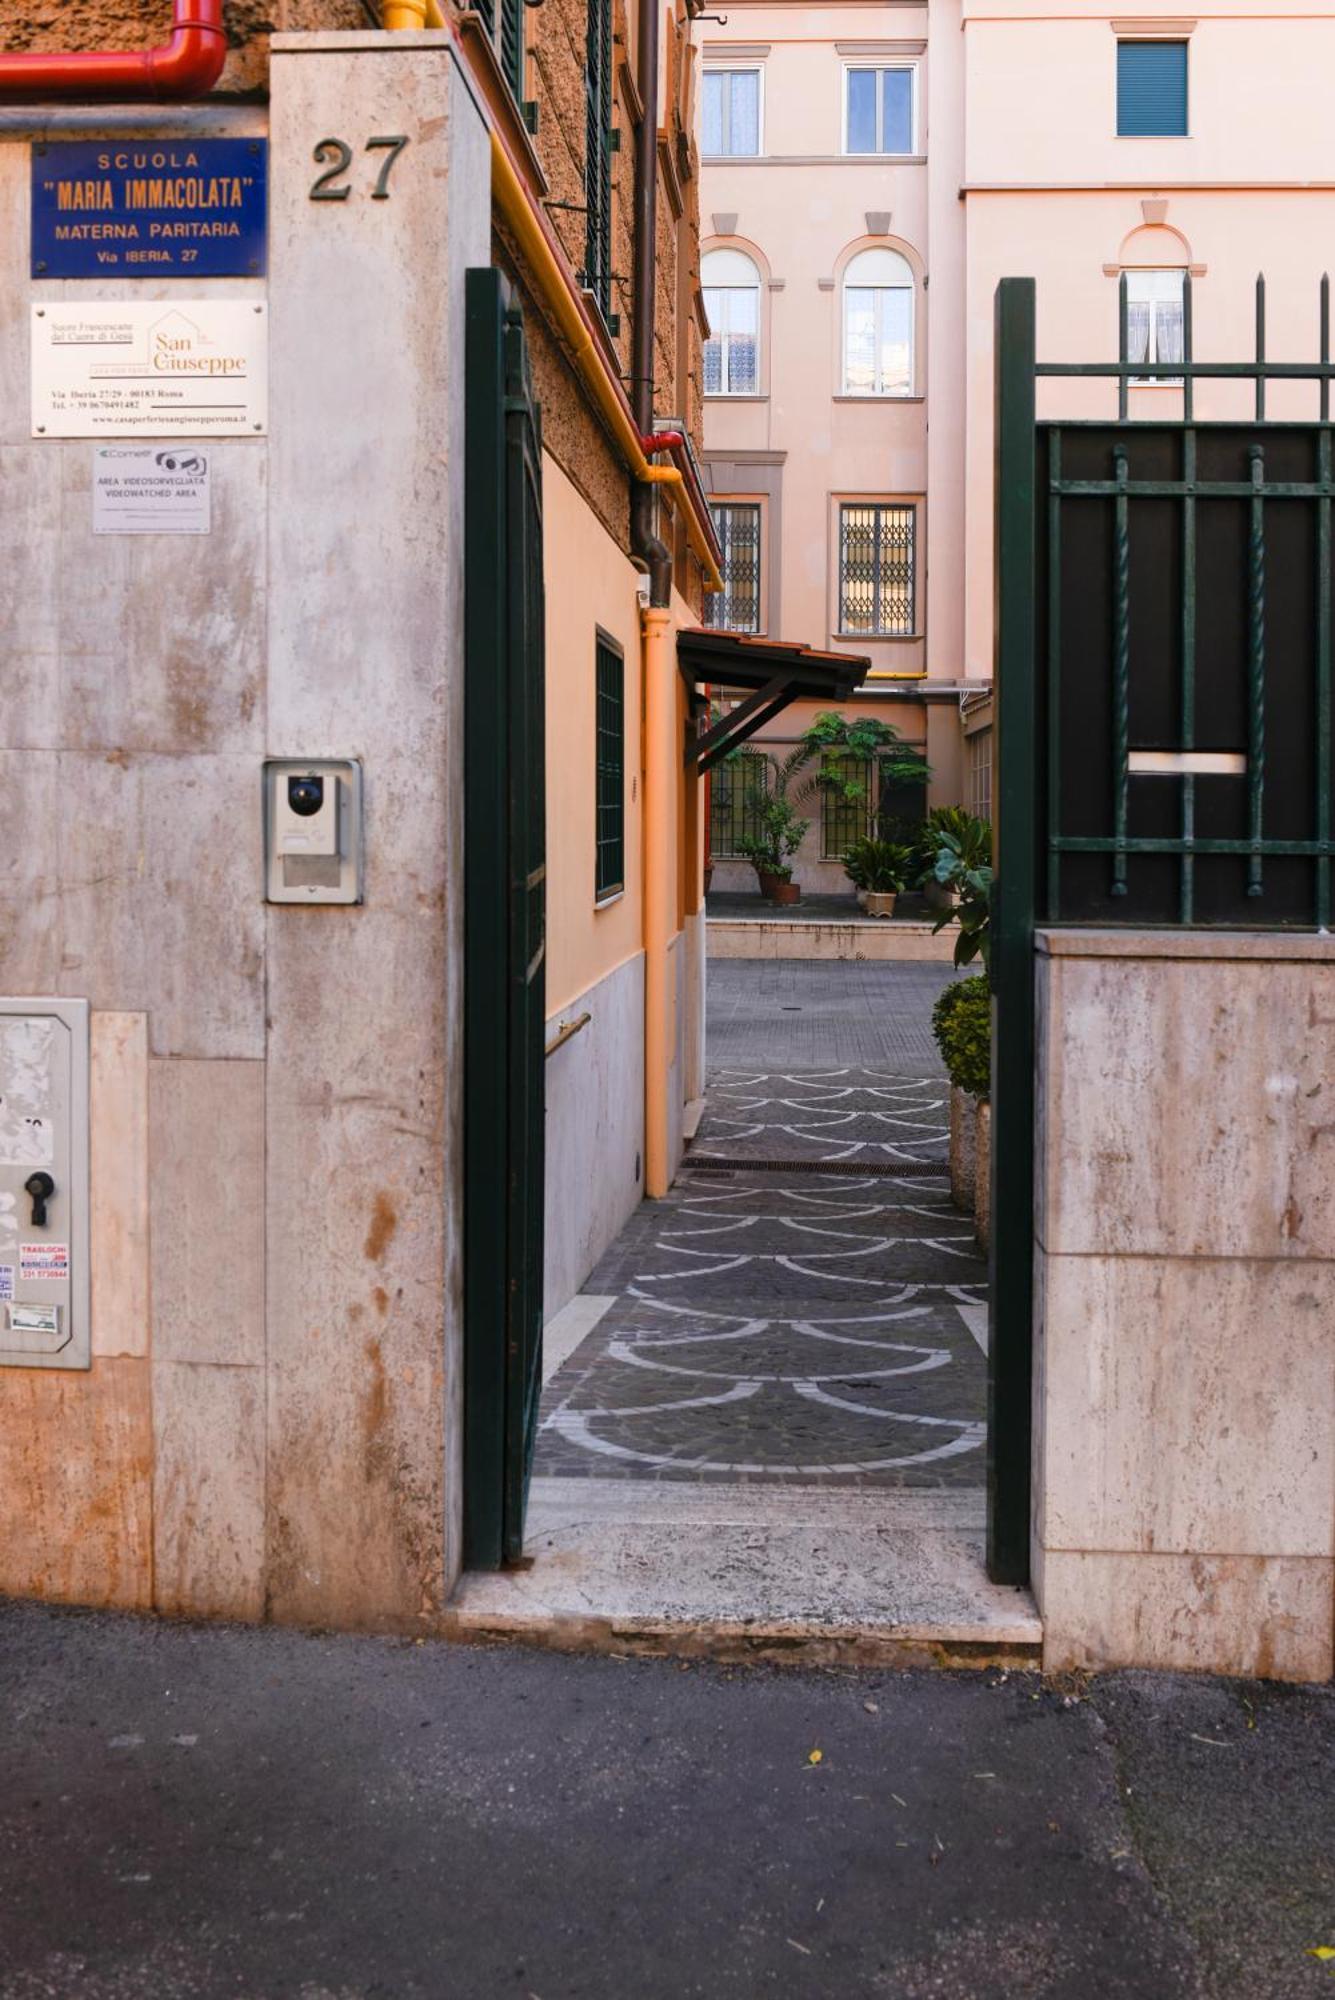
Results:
[878, 868]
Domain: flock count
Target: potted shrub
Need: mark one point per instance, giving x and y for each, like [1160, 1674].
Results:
[878, 869]
[962, 1026]
[782, 830]
[940, 821]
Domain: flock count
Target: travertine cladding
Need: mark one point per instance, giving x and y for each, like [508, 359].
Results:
[1185, 1278]
[270, 1423]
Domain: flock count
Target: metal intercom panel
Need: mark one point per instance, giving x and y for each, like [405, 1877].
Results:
[44, 1276]
[313, 830]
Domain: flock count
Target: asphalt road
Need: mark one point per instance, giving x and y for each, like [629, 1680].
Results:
[190, 1811]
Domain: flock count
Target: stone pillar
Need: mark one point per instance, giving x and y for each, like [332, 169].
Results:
[364, 1006]
[1185, 1266]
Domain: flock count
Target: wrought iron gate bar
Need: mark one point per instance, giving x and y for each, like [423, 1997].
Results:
[1256, 651]
[1195, 489]
[1186, 886]
[1121, 671]
[1093, 843]
[1323, 714]
[1055, 490]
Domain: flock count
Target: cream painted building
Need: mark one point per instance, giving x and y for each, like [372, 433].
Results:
[870, 171]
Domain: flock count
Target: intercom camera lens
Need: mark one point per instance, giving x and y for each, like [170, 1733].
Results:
[305, 795]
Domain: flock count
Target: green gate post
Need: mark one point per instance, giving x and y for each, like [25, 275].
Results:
[1010, 1343]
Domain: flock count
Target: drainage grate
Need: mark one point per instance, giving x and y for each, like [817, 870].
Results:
[717, 1165]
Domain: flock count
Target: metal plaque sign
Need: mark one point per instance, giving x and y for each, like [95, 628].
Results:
[147, 489]
[126, 368]
[136, 208]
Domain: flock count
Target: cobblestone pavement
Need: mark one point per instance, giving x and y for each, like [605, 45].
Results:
[804, 1327]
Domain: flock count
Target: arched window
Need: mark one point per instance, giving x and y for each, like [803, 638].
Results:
[878, 325]
[731, 285]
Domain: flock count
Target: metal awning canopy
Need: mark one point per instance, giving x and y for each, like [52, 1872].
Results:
[769, 672]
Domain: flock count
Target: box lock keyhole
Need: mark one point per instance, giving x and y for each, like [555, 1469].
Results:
[41, 1187]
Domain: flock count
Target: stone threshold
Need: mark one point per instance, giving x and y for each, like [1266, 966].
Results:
[816, 1575]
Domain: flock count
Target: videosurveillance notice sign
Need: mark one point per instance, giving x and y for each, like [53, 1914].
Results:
[146, 489]
[122, 368]
[149, 208]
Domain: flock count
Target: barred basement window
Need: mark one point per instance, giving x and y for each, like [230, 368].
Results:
[876, 571]
[598, 155]
[736, 608]
[844, 820]
[737, 789]
[504, 22]
[610, 771]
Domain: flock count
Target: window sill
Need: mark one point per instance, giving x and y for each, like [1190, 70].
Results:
[1155, 137]
[882, 396]
[880, 638]
[726, 396]
[726, 159]
[605, 901]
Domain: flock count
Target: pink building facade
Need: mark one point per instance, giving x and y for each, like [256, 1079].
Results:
[870, 172]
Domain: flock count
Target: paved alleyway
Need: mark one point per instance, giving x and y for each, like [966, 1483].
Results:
[814, 1327]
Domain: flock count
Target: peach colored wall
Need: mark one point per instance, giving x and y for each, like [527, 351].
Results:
[589, 584]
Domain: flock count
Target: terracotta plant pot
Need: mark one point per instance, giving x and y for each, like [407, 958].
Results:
[768, 882]
[785, 892]
[880, 903]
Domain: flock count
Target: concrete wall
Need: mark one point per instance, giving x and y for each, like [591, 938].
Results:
[1185, 1264]
[270, 1426]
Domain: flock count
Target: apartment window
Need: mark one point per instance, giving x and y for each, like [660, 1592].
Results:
[1152, 90]
[878, 325]
[598, 155]
[876, 570]
[844, 819]
[738, 788]
[878, 110]
[504, 21]
[736, 608]
[1154, 324]
[731, 285]
[610, 771]
[731, 113]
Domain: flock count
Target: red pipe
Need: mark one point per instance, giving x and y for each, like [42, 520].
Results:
[188, 65]
[675, 444]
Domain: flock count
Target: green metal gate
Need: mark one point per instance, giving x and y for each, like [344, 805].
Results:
[504, 925]
[1164, 721]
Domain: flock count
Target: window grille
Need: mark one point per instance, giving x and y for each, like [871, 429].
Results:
[844, 820]
[738, 788]
[610, 775]
[879, 111]
[876, 571]
[980, 773]
[736, 608]
[1152, 90]
[598, 155]
[730, 123]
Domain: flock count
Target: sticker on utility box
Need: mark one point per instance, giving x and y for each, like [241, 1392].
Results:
[6, 1281]
[44, 1261]
[148, 368]
[34, 1319]
[145, 489]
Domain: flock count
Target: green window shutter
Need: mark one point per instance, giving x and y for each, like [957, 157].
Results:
[610, 770]
[487, 9]
[512, 44]
[1152, 90]
[598, 155]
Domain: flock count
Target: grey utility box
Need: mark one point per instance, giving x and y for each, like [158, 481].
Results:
[44, 1279]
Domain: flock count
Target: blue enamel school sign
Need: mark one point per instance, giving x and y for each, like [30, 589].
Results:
[149, 208]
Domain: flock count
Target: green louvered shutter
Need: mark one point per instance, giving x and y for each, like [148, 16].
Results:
[598, 155]
[512, 44]
[1152, 90]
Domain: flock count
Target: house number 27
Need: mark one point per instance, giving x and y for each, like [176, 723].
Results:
[331, 184]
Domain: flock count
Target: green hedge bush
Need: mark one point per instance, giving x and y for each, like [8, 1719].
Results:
[962, 1025]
